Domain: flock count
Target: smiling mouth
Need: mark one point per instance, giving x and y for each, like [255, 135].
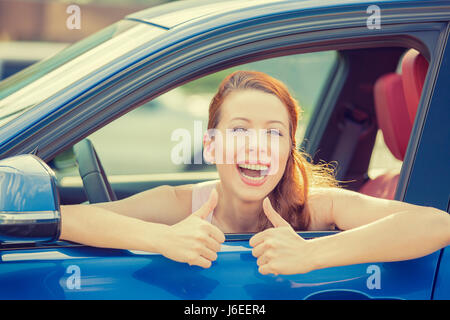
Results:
[253, 174]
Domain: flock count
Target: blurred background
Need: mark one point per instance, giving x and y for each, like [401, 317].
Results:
[45, 20]
[31, 30]
[141, 141]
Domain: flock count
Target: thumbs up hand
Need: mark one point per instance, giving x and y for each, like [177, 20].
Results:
[280, 250]
[194, 240]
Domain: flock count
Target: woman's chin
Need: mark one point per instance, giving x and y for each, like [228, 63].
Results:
[254, 191]
[251, 196]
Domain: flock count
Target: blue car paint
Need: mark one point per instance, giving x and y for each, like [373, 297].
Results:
[122, 274]
[46, 273]
[29, 201]
[25, 185]
[441, 290]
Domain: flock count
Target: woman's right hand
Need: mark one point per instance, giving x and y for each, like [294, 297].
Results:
[194, 240]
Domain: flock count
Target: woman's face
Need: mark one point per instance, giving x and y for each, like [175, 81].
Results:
[255, 143]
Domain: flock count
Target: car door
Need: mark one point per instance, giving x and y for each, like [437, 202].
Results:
[429, 182]
[65, 270]
[70, 271]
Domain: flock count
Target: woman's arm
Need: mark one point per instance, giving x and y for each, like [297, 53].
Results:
[99, 227]
[379, 230]
[192, 240]
[122, 224]
[164, 204]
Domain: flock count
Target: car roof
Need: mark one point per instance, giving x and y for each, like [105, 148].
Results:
[176, 13]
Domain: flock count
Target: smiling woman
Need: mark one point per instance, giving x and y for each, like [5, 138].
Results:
[275, 209]
[293, 194]
[252, 100]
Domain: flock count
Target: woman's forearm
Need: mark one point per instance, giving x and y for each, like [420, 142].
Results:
[98, 227]
[400, 236]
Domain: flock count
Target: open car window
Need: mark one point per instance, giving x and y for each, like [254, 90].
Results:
[144, 141]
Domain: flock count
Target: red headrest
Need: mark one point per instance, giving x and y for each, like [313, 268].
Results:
[396, 100]
[392, 113]
[414, 71]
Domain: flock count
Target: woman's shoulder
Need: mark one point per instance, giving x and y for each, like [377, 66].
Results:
[169, 204]
[201, 192]
[319, 207]
[192, 196]
[183, 193]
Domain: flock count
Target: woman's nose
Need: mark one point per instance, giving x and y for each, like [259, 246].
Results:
[257, 148]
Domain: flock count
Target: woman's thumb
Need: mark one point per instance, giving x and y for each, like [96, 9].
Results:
[273, 216]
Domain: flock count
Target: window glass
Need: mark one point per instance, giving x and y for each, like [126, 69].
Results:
[141, 142]
[382, 160]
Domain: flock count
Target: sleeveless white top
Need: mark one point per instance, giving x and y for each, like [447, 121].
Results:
[200, 194]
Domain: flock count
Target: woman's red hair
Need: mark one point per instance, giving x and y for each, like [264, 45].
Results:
[289, 196]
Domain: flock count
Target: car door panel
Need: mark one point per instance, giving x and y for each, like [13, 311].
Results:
[442, 286]
[121, 274]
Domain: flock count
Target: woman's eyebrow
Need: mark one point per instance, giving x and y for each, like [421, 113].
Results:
[276, 121]
[268, 122]
[240, 118]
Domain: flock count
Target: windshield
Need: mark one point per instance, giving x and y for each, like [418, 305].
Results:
[40, 81]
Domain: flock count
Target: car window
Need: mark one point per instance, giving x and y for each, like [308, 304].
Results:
[44, 79]
[143, 140]
[382, 160]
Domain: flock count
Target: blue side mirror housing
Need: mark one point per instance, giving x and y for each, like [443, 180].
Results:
[29, 200]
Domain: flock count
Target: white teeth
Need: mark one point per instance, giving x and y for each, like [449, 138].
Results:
[254, 166]
[253, 178]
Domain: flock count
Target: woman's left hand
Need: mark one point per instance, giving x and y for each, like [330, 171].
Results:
[280, 250]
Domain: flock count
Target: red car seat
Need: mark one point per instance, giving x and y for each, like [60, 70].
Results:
[414, 71]
[396, 101]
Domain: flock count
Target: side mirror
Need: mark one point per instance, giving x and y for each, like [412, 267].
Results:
[29, 200]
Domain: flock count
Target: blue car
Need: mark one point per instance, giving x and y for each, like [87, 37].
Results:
[372, 76]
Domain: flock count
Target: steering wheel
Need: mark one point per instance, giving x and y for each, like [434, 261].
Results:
[95, 182]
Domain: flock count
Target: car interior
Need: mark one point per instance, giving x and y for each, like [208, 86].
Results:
[378, 91]
[396, 100]
[384, 97]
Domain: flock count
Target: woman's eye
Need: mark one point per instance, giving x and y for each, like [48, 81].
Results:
[275, 131]
[239, 130]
